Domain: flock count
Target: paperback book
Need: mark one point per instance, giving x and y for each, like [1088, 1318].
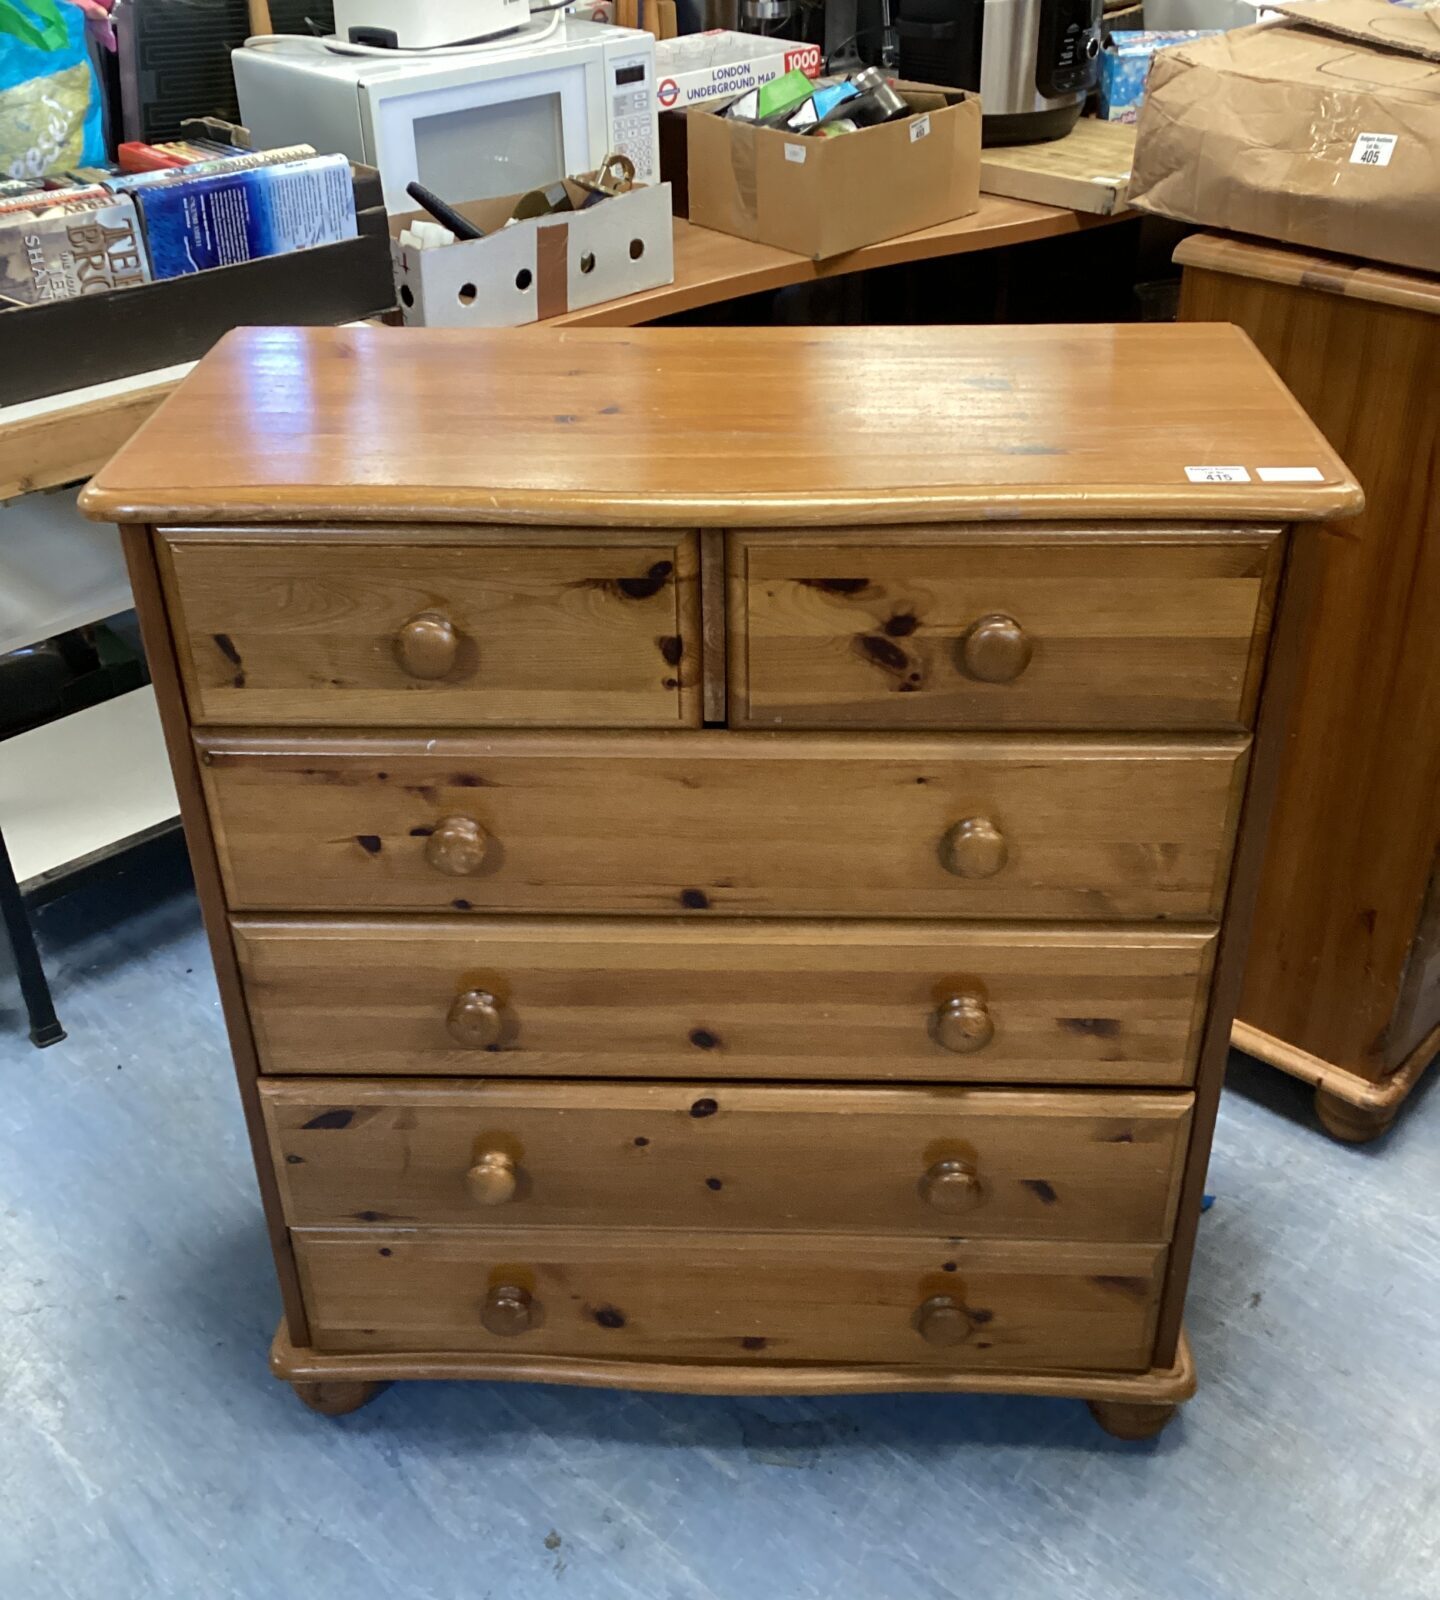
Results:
[194, 223]
[71, 248]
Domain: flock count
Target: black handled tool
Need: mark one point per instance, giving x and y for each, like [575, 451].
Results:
[443, 212]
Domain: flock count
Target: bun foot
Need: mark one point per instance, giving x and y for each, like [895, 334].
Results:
[1351, 1124]
[335, 1397]
[1126, 1419]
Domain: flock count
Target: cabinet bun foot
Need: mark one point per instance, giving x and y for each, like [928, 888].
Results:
[335, 1397]
[1350, 1123]
[1126, 1419]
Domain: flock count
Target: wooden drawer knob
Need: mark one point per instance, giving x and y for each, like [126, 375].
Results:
[508, 1310]
[457, 846]
[952, 1186]
[963, 1024]
[426, 645]
[492, 1179]
[974, 848]
[995, 649]
[943, 1320]
[474, 1019]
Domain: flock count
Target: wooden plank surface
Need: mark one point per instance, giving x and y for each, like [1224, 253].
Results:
[680, 1293]
[1265, 262]
[1089, 169]
[734, 824]
[861, 1000]
[755, 427]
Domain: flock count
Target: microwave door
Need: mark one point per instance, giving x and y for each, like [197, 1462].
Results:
[493, 135]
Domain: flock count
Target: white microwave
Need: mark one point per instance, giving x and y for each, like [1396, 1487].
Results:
[469, 125]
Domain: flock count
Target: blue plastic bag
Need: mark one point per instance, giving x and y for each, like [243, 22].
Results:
[50, 111]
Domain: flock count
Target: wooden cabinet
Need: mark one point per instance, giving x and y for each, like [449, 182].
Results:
[727, 855]
[1342, 986]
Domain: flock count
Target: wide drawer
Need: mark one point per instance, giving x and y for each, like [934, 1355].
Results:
[967, 628]
[483, 627]
[1057, 1164]
[778, 1297]
[976, 1002]
[769, 824]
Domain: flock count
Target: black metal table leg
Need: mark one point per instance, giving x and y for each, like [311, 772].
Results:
[34, 989]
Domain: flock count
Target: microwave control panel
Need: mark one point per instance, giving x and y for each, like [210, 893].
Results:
[632, 113]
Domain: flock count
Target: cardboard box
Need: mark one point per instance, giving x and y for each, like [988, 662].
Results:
[1383, 23]
[721, 65]
[1301, 132]
[542, 267]
[715, 67]
[821, 197]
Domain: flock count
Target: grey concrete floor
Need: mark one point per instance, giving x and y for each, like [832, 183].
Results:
[144, 1451]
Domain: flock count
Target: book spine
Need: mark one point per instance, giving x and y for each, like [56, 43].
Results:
[202, 222]
[46, 198]
[68, 251]
[135, 156]
[129, 182]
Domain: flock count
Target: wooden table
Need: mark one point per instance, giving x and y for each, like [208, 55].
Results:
[1343, 982]
[711, 267]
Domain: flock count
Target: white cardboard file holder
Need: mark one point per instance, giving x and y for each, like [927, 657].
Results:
[539, 268]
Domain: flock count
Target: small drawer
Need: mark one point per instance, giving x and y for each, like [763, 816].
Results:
[725, 823]
[442, 628]
[970, 628]
[1057, 1164]
[927, 1302]
[946, 1002]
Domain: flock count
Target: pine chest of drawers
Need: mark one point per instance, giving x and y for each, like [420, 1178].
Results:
[727, 853]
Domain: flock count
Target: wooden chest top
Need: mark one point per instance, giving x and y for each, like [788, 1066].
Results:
[736, 427]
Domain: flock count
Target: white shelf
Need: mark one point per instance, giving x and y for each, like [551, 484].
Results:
[57, 570]
[84, 785]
